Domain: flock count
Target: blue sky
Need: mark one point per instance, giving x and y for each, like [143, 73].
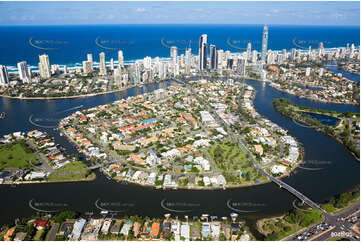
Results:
[70, 13]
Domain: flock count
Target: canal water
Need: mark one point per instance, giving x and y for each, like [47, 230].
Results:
[323, 119]
[340, 171]
[332, 66]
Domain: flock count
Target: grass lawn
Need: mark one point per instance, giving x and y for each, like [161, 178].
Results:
[337, 239]
[234, 164]
[69, 177]
[118, 222]
[228, 156]
[15, 155]
[38, 234]
[279, 228]
[73, 166]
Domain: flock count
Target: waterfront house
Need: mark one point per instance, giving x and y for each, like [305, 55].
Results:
[77, 229]
[166, 229]
[41, 223]
[91, 230]
[206, 230]
[195, 232]
[9, 233]
[206, 181]
[126, 227]
[215, 230]
[106, 226]
[136, 228]
[154, 231]
[20, 236]
[146, 230]
[115, 229]
[175, 228]
[184, 230]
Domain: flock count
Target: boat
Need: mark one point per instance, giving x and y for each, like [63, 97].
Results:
[104, 212]
[2, 115]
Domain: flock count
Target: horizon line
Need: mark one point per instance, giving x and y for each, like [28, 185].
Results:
[205, 24]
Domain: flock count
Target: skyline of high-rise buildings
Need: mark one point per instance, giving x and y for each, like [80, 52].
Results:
[215, 60]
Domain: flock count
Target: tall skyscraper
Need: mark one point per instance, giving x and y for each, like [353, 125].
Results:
[202, 52]
[181, 60]
[111, 64]
[23, 72]
[87, 67]
[352, 50]
[44, 66]
[264, 43]
[188, 56]
[147, 62]
[320, 49]
[120, 59]
[249, 49]
[270, 57]
[241, 66]
[214, 59]
[227, 55]
[90, 59]
[136, 73]
[293, 54]
[220, 57]
[117, 75]
[102, 67]
[174, 54]
[254, 56]
[4, 76]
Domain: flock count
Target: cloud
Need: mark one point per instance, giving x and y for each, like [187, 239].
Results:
[140, 10]
[198, 9]
[28, 18]
[339, 16]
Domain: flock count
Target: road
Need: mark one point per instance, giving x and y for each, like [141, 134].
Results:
[337, 226]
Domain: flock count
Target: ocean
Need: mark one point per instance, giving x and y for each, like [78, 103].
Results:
[69, 45]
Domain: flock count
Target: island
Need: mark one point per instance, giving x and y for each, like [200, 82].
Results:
[310, 80]
[34, 157]
[184, 136]
[344, 127]
[352, 66]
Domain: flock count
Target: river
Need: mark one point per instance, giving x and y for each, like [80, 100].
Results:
[340, 171]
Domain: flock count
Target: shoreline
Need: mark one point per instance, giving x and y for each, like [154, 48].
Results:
[285, 91]
[311, 99]
[301, 149]
[44, 181]
[322, 131]
[194, 188]
[64, 97]
[78, 96]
